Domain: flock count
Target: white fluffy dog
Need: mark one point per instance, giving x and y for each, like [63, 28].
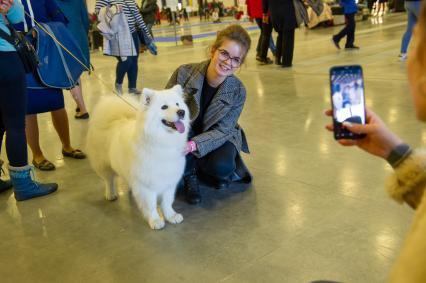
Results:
[144, 147]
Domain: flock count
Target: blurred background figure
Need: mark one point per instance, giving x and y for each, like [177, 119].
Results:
[413, 9]
[12, 111]
[148, 10]
[284, 21]
[78, 24]
[255, 11]
[46, 99]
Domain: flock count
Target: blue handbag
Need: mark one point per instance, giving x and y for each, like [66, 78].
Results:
[61, 60]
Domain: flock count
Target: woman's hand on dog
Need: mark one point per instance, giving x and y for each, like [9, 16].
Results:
[190, 146]
[379, 140]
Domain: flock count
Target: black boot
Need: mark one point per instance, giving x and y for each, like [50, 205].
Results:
[191, 189]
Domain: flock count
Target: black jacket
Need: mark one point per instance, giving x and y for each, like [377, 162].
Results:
[282, 12]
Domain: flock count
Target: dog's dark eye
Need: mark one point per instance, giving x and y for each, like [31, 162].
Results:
[164, 107]
[177, 104]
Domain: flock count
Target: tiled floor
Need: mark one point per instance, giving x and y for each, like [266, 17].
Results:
[315, 211]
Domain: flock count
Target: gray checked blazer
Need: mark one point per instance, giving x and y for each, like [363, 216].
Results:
[220, 123]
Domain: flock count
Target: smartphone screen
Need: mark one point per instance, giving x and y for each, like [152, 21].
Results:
[347, 99]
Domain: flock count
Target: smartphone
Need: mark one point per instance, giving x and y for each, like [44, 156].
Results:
[347, 99]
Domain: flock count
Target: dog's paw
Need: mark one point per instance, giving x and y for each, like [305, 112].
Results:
[156, 224]
[175, 218]
[111, 197]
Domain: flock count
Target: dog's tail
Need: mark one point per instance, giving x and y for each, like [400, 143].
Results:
[111, 109]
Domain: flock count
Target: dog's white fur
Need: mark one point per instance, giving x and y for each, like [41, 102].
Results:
[140, 148]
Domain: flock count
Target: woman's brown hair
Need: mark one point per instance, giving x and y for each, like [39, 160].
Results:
[235, 33]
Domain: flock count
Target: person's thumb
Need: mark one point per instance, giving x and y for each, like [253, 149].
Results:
[360, 128]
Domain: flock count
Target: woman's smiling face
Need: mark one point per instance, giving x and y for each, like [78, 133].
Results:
[227, 58]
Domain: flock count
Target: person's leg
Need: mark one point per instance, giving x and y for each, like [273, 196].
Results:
[268, 32]
[350, 38]
[288, 47]
[219, 164]
[411, 8]
[61, 124]
[278, 58]
[132, 73]
[342, 33]
[78, 98]
[12, 111]
[120, 72]
[259, 41]
[32, 134]
[266, 41]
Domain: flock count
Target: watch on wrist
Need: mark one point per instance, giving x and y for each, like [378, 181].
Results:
[398, 154]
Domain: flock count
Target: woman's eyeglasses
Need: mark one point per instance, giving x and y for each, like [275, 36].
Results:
[224, 56]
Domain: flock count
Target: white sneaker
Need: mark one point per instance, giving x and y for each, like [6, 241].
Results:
[119, 89]
[402, 57]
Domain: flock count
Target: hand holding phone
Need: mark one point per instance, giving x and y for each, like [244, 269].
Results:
[347, 100]
[378, 140]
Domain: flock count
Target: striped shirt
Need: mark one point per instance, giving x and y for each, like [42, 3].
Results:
[131, 11]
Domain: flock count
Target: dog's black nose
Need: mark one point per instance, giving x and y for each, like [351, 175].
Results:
[181, 113]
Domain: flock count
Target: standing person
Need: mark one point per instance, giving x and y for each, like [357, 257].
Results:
[407, 183]
[413, 9]
[78, 24]
[12, 112]
[284, 21]
[148, 9]
[47, 99]
[216, 99]
[349, 9]
[255, 11]
[129, 65]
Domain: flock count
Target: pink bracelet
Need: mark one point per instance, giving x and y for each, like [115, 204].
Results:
[192, 145]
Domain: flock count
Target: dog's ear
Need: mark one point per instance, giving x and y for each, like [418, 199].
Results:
[147, 94]
[178, 89]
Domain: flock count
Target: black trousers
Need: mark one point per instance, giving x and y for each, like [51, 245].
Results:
[218, 165]
[348, 31]
[285, 47]
[13, 107]
[264, 38]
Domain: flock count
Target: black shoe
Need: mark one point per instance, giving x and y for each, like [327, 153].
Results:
[352, 47]
[191, 189]
[336, 42]
[287, 65]
[222, 185]
[266, 61]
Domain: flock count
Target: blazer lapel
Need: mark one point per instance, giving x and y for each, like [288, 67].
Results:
[194, 87]
[220, 104]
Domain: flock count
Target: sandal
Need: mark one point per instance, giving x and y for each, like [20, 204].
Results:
[82, 116]
[76, 154]
[44, 165]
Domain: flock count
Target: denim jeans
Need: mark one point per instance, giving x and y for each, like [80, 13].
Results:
[218, 164]
[413, 9]
[129, 66]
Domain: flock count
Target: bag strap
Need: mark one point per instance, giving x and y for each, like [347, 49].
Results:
[7, 37]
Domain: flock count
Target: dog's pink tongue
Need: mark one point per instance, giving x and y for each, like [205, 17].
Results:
[180, 127]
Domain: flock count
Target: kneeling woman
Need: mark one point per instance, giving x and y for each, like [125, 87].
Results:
[215, 98]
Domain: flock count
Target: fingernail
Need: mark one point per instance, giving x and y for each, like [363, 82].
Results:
[347, 124]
